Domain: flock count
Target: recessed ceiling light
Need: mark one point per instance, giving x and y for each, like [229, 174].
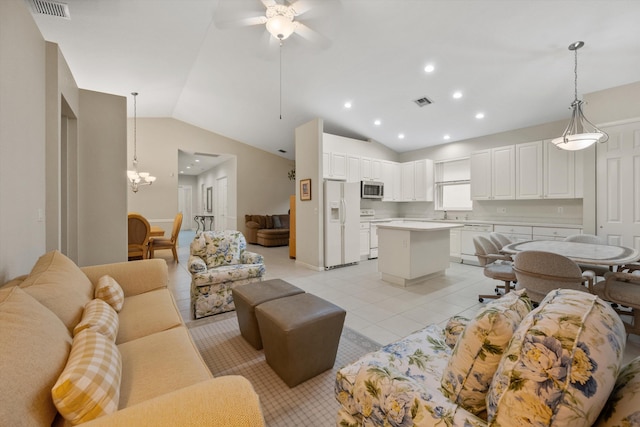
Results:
[401, 136]
[480, 116]
[188, 167]
[457, 95]
[347, 104]
[181, 171]
[447, 137]
[377, 122]
[429, 68]
[197, 160]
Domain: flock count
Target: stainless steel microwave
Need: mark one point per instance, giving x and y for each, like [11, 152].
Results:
[371, 190]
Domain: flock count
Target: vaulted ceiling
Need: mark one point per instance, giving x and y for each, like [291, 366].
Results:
[508, 58]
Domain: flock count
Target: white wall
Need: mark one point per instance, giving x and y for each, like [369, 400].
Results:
[22, 136]
[208, 179]
[261, 177]
[190, 181]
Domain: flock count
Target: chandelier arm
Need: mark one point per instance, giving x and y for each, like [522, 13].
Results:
[596, 129]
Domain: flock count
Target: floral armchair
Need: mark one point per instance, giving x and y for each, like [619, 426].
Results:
[219, 262]
[554, 366]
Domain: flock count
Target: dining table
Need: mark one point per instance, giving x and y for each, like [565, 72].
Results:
[587, 253]
[156, 231]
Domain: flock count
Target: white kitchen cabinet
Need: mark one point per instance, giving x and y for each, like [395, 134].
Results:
[353, 168]
[516, 233]
[493, 174]
[370, 169]
[392, 181]
[334, 165]
[554, 233]
[364, 239]
[454, 244]
[417, 181]
[529, 170]
[559, 172]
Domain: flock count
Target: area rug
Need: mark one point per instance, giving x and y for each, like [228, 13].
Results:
[311, 403]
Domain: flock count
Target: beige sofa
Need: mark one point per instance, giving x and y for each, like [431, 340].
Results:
[163, 380]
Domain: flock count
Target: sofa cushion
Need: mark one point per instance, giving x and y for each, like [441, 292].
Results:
[276, 222]
[60, 285]
[98, 316]
[561, 364]
[622, 407]
[158, 364]
[35, 348]
[146, 314]
[89, 386]
[228, 273]
[479, 349]
[110, 292]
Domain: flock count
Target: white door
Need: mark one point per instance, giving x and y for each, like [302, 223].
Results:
[185, 205]
[618, 191]
[221, 208]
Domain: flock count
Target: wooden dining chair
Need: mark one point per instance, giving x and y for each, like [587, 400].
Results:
[138, 230]
[158, 243]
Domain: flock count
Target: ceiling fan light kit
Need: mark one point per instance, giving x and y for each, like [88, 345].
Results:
[280, 21]
[580, 133]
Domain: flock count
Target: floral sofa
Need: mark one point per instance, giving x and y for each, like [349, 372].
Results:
[105, 345]
[267, 230]
[554, 366]
[219, 261]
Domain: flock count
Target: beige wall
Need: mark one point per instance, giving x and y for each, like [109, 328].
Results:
[22, 135]
[210, 178]
[261, 184]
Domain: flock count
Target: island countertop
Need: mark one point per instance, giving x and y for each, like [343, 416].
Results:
[419, 225]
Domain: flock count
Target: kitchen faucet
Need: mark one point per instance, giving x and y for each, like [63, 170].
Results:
[445, 215]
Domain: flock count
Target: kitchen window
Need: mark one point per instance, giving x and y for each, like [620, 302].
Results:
[453, 185]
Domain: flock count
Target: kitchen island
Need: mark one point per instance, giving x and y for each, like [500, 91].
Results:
[410, 252]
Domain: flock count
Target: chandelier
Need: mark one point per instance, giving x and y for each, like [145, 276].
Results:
[580, 132]
[137, 179]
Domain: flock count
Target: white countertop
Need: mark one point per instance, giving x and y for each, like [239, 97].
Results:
[419, 225]
[476, 221]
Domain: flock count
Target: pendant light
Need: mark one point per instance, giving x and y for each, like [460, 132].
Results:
[137, 179]
[580, 132]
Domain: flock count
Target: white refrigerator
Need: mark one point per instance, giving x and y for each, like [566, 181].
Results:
[341, 223]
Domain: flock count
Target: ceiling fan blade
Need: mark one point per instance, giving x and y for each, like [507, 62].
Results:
[313, 36]
[317, 8]
[245, 22]
[268, 3]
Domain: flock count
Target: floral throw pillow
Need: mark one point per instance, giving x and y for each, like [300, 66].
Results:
[622, 408]
[561, 364]
[477, 353]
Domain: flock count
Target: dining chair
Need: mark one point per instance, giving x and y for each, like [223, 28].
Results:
[499, 239]
[594, 240]
[495, 265]
[138, 230]
[541, 272]
[157, 243]
[623, 290]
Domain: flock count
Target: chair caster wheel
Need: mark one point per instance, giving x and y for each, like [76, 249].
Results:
[497, 291]
[481, 299]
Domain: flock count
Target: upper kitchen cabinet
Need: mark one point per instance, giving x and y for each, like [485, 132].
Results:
[417, 181]
[353, 168]
[391, 177]
[370, 169]
[334, 166]
[529, 170]
[493, 174]
[560, 173]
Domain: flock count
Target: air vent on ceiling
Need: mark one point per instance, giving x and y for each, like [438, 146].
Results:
[50, 8]
[423, 101]
[206, 154]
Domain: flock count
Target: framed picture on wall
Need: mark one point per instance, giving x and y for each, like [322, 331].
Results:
[305, 189]
[209, 199]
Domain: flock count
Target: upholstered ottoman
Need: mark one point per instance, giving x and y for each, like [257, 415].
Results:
[247, 297]
[300, 334]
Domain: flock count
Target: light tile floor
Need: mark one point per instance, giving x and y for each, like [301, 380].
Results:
[381, 311]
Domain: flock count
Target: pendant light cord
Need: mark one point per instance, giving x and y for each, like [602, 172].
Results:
[135, 129]
[280, 79]
[575, 74]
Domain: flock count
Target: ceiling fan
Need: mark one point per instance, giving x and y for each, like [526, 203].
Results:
[281, 18]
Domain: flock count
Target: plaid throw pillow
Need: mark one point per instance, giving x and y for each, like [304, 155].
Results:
[100, 317]
[89, 386]
[109, 291]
